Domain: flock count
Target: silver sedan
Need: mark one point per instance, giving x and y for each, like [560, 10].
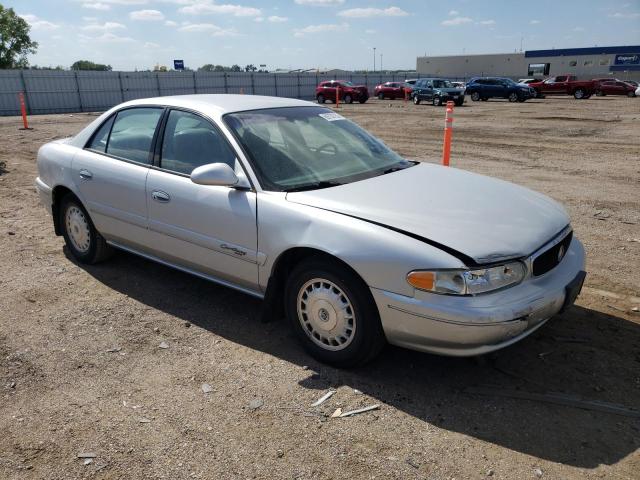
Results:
[289, 201]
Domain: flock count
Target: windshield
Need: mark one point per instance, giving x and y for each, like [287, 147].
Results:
[309, 147]
[508, 81]
[347, 84]
[442, 84]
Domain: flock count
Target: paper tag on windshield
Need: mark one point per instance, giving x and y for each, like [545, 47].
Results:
[331, 116]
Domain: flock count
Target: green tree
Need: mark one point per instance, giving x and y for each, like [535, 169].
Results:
[236, 68]
[15, 43]
[250, 68]
[87, 65]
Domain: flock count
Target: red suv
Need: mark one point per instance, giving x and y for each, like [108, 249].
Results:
[348, 91]
[390, 90]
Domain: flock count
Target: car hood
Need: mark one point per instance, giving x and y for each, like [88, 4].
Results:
[483, 218]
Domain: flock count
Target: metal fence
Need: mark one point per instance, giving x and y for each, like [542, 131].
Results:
[52, 91]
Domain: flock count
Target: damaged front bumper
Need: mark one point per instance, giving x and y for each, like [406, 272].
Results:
[474, 325]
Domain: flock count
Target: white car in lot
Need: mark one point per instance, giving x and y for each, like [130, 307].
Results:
[289, 201]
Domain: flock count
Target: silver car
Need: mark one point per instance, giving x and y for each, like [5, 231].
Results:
[289, 201]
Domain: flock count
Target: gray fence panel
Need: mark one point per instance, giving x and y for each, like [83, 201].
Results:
[10, 85]
[240, 83]
[264, 84]
[176, 83]
[211, 82]
[288, 85]
[51, 91]
[99, 90]
[139, 85]
[308, 84]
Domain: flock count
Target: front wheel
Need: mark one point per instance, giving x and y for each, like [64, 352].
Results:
[80, 235]
[348, 98]
[333, 314]
[459, 102]
[381, 96]
[363, 99]
[475, 96]
[437, 101]
[416, 100]
[321, 98]
[513, 97]
[631, 94]
[579, 94]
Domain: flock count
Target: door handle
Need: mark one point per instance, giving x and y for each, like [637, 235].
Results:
[85, 174]
[160, 196]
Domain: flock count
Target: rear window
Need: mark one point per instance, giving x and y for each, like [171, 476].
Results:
[132, 133]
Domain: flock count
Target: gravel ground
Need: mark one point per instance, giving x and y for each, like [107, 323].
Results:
[82, 371]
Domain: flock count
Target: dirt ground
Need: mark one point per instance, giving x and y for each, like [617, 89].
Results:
[81, 370]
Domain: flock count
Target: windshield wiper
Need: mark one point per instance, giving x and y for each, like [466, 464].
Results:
[396, 168]
[314, 186]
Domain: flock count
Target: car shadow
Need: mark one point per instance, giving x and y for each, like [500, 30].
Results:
[581, 352]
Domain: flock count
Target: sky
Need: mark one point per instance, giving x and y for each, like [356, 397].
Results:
[291, 34]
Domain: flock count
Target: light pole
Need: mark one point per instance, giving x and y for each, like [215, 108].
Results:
[374, 59]
[380, 62]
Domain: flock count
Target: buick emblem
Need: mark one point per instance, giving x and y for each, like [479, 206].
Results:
[560, 253]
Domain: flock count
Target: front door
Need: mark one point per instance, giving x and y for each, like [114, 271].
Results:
[110, 174]
[210, 229]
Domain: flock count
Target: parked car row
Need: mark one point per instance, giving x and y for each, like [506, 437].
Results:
[440, 90]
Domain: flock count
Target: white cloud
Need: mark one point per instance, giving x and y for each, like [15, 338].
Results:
[370, 31]
[151, 45]
[171, 23]
[277, 19]
[214, 30]
[331, 27]
[578, 29]
[108, 37]
[147, 15]
[534, 22]
[453, 13]
[258, 19]
[96, 27]
[487, 22]
[628, 16]
[37, 23]
[455, 21]
[96, 6]
[204, 7]
[373, 12]
[320, 3]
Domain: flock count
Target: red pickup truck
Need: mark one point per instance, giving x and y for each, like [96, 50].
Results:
[564, 85]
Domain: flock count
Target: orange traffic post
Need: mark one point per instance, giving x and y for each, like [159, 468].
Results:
[23, 110]
[405, 94]
[448, 132]
[337, 97]
[241, 91]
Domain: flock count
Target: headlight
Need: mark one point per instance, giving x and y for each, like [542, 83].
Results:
[467, 282]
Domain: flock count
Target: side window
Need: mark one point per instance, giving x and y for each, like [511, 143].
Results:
[191, 141]
[99, 141]
[132, 133]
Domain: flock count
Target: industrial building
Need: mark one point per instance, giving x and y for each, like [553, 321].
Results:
[621, 62]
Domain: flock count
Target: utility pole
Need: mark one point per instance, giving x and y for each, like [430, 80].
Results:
[374, 59]
[380, 62]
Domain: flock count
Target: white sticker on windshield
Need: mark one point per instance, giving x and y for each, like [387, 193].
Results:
[331, 116]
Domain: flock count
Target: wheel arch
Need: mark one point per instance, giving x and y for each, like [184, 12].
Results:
[57, 194]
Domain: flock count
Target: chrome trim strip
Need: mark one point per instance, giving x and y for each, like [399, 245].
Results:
[204, 276]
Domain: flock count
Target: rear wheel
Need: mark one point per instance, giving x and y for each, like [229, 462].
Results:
[333, 314]
[437, 101]
[579, 94]
[513, 97]
[80, 235]
[321, 98]
[600, 93]
[475, 96]
[363, 99]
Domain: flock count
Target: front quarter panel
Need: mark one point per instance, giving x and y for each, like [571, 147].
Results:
[382, 257]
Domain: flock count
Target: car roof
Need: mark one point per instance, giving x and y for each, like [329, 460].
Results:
[219, 104]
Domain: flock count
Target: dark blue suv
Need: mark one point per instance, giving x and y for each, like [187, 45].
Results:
[496, 87]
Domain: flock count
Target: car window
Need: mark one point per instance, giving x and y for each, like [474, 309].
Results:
[99, 141]
[191, 141]
[132, 133]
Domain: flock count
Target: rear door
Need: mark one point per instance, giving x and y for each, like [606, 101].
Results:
[110, 173]
[209, 229]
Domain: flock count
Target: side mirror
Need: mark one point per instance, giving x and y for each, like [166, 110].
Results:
[219, 174]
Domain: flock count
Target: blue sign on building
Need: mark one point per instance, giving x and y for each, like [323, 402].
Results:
[178, 64]
[627, 59]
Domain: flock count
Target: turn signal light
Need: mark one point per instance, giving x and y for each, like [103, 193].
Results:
[422, 280]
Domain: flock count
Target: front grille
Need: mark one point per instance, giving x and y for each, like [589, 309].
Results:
[548, 260]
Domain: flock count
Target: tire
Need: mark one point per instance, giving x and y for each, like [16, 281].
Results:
[484, 99]
[314, 288]
[522, 99]
[321, 98]
[513, 97]
[600, 93]
[437, 101]
[631, 94]
[381, 96]
[579, 94]
[348, 98]
[80, 235]
[363, 99]
[459, 102]
[475, 96]
[416, 100]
